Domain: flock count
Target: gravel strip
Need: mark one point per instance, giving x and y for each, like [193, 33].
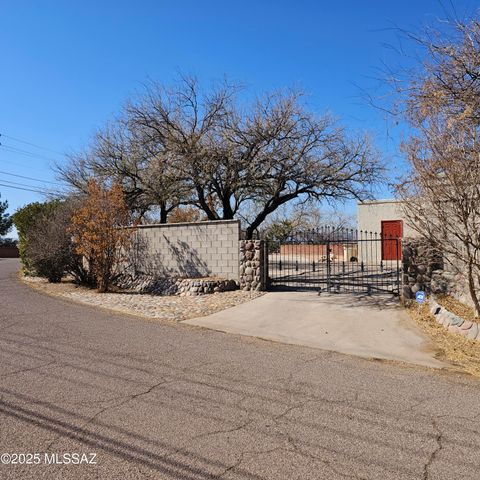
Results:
[171, 308]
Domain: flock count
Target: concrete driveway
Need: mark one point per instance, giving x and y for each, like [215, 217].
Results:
[368, 326]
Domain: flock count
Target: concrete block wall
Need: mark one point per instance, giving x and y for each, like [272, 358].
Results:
[200, 249]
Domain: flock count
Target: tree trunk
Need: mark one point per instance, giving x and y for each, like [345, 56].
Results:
[260, 218]
[204, 204]
[163, 213]
[472, 289]
[226, 207]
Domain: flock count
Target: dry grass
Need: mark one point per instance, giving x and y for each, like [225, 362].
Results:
[456, 307]
[462, 352]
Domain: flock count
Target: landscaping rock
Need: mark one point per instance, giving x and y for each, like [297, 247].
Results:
[456, 320]
[473, 332]
[416, 288]
[435, 308]
[174, 286]
[454, 323]
[407, 292]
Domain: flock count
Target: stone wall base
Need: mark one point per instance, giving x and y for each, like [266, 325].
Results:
[174, 286]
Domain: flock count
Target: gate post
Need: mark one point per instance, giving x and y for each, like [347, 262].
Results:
[398, 266]
[265, 272]
[329, 268]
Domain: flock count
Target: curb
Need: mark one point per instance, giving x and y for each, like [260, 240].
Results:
[453, 323]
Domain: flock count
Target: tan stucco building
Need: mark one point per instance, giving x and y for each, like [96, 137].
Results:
[383, 217]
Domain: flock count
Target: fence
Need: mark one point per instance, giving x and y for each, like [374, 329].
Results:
[336, 260]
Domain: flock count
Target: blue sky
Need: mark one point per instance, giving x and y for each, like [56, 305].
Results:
[66, 67]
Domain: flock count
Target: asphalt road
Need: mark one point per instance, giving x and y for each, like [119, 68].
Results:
[154, 400]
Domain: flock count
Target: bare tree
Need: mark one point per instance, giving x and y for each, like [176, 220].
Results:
[185, 146]
[442, 194]
[184, 120]
[256, 158]
[123, 154]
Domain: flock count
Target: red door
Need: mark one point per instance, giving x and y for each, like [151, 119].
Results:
[392, 231]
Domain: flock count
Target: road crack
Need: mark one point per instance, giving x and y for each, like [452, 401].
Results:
[125, 400]
[433, 455]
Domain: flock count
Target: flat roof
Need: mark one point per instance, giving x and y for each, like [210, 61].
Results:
[375, 202]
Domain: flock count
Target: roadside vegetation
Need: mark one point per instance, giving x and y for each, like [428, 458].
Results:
[176, 149]
[441, 195]
[101, 230]
[5, 219]
[82, 236]
[457, 349]
[6, 223]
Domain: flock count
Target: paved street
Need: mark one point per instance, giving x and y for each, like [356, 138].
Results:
[157, 400]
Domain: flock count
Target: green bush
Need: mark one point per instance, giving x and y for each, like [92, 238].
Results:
[5, 219]
[24, 219]
[49, 249]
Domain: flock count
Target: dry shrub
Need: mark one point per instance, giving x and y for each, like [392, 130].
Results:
[101, 230]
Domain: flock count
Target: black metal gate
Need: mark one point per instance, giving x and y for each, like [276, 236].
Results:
[335, 260]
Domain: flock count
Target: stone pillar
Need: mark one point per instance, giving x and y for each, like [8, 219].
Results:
[252, 265]
[419, 261]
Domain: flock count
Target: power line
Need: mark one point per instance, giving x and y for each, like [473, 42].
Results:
[29, 178]
[20, 188]
[21, 184]
[20, 151]
[36, 167]
[31, 144]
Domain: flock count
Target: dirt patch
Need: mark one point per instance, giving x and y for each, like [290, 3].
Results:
[462, 352]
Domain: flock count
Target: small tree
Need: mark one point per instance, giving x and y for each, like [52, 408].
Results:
[442, 195]
[24, 219]
[101, 231]
[5, 219]
[49, 247]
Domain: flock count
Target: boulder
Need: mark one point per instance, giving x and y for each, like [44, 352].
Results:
[249, 246]
[407, 292]
[416, 288]
[473, 332]
[456, 320]
[435, 308]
